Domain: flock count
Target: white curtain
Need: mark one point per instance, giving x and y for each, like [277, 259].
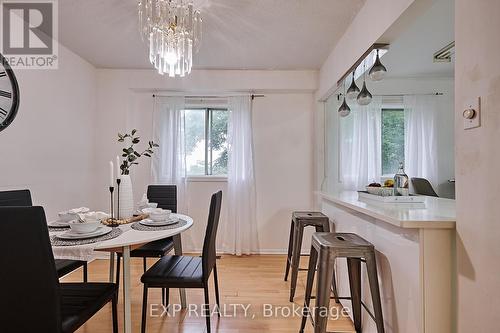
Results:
[168, 165]
[420, 137]
[240, 234]
[361, 145]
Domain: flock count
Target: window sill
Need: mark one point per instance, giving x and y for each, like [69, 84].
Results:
[219, 179]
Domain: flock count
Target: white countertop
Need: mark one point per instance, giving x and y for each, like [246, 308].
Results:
[438, 213]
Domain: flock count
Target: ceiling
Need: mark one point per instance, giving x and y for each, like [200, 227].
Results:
[237, 34]
[411, 55]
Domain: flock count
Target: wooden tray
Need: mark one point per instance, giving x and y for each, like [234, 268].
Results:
[132, 219]
[392, 199]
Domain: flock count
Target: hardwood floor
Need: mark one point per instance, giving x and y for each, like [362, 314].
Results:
[254, 281]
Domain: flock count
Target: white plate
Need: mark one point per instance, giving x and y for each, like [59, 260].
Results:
[151, 223]
[101, 231]
[60, 224]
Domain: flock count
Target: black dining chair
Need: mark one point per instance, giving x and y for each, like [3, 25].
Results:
[187, 271]
[422, 186]
[22, 198]
[166, 197]
[32, 299]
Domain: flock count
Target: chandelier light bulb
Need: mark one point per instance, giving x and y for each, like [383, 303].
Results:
[171, 58]
[173, 31]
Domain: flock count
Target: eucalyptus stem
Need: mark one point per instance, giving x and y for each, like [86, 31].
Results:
[130, 155]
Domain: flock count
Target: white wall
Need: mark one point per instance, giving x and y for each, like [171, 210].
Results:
[283, 132]
[477, 72]
[49, 148]
[283, 145]
[371, 22]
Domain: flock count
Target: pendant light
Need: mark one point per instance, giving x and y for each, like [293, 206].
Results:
[353, 90]
[364, 97]
[378, 71]
[344, 109]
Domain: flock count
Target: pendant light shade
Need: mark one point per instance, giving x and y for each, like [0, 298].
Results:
[344, 109]
[364, 97]
[353, 90]
[378, 71]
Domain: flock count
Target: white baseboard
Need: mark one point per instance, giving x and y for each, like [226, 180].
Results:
[259, 252]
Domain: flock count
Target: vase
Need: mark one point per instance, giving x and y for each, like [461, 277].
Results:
[126, 197]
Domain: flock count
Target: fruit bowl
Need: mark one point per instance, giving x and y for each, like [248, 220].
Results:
[381, 191]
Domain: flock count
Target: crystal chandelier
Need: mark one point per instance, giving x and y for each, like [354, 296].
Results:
[173, 30]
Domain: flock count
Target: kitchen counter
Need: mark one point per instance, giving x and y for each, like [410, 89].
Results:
[435, 213]
[415, 250]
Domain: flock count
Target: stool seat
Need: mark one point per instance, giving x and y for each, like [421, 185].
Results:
[341, 241]
[308, 216]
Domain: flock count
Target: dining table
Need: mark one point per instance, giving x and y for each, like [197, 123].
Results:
[129, 238]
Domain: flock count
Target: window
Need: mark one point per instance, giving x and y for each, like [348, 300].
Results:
[393, 140]
[206, 141]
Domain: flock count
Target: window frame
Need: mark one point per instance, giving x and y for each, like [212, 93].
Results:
[208, 176]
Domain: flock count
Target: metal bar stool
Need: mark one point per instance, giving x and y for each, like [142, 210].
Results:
[301, 220]
[325, 249]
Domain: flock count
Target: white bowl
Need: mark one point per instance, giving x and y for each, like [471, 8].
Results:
[85, 227]
[160, 216]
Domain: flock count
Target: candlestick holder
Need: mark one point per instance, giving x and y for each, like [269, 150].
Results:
[113, 221]
[118, 181]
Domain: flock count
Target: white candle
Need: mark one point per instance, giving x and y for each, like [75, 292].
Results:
[111, 178]
[118, 170]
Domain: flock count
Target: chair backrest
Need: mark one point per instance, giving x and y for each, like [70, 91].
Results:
[29, 287]
[209, 252]
[164, 195]
[15, 198]
[423, 187]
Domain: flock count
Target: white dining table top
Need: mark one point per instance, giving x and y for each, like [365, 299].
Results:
[129, 237]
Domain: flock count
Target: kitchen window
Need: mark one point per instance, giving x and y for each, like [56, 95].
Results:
[393, 140]
[206, 141]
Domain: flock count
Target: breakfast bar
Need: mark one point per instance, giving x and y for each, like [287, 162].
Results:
[415, 246]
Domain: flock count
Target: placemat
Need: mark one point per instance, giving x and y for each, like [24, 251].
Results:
[141, 227]
[72, 242]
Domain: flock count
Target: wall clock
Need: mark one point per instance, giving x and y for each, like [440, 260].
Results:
[9, 94]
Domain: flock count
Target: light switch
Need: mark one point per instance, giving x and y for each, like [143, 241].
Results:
[472, 113]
